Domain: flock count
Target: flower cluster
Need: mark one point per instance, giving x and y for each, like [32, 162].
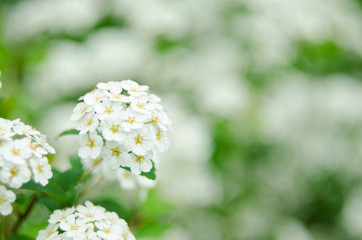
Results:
[85, 222]
[121, 124]
[23, 153]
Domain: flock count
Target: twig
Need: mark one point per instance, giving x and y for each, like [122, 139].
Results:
[23, 216]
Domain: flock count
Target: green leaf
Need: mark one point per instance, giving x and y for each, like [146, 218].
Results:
[69, 179]
[50, 203]
[20, 237]
[150, 175]
[75, 162]
[69, 132]
[51, 188]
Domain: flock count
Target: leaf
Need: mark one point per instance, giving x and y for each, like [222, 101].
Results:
[150, 175]
[69, 132]
[51, 188]
[50, 203]
[20, 237]
[75, 162]
[69, 179]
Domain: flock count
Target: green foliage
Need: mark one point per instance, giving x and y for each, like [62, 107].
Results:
[69, 132]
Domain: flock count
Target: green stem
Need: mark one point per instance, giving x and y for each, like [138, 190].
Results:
[23, 216]
[2, 228]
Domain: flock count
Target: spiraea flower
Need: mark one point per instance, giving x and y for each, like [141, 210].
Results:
[121, 125]
[23, 152]
[86, 222]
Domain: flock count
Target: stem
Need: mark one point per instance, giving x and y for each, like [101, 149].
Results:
[88, 185]
[2, 228]
[23, 216]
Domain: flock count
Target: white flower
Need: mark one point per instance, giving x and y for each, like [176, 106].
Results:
[112, 129]
[162, 140]
[89, 212]
[93, 98]
[88, 123]
[61, 215]
[142, 105]
[91, 145]
[6, 129]
[15, 175]
[80, 110]
[108, 109]
[6, 198]
[41, 170]
[22, 129]
[161, 119]
[114, 153]
[17, 151]
[49, 233]
[73, 226]
[140, 141]
[133, 120]
[86, 222]
[140, 163]
[108, 231]
[133, 88]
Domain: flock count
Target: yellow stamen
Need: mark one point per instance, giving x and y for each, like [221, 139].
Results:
[115, 96]
[15, 152]
[138, 140]
[14, 172]
[109, 110]
[39, 168]
[158, 136]
[107, 231]
[116, 152]
[90, 121]
[91, 143]
[140, 105]
[74, 227]
[115, 129]
[139, 159]
[155, 119]
[131, 120]
[2, 199]
[33, 146]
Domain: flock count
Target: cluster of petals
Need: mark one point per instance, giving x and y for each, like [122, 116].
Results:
[85, 222]
[122, 124]
[23, 153]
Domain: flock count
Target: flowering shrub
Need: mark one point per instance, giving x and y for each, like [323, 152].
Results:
[23, 153]
[85, 222]
[120, 124]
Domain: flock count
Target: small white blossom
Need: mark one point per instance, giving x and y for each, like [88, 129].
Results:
[140, 163]
[49, 233]
[41, 170]
[91, 145]
[15, 175]
[140, 141]
[114, 153]
[88, 123]
[134, 89]
[6, 198]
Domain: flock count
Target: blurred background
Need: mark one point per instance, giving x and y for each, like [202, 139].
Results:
[265, 96]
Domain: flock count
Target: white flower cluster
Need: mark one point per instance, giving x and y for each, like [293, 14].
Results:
[23, 153]
[121, 124]
[85, 222]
